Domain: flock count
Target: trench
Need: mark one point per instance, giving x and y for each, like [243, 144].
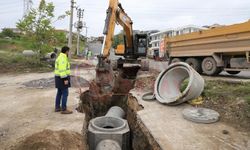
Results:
[140, 137]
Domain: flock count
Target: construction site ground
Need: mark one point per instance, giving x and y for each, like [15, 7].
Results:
[171, 131]
[26, 111]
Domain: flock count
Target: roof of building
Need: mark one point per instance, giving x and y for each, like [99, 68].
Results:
[176, 29]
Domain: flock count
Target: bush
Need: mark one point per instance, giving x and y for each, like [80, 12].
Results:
[8, 33]
[18, 62]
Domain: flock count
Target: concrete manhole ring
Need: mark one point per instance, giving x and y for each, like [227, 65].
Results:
[149, 96]
[201, 115]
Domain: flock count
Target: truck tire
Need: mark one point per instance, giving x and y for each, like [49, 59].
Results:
[195, 63]
[233, 72]
[209, 66]
[175, 60]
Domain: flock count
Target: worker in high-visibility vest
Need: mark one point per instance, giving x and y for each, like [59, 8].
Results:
[62, 81]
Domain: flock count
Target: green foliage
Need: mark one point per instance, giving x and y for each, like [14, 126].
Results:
[8, 33]
[184, 85]
[37, 26]
[230, 91]
[15, 45]
[18, 62]
[118, 39]
[60, 37]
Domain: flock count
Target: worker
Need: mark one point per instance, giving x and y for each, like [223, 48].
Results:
[62, 81]
[89, 54]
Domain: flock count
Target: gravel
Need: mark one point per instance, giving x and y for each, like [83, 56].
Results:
[50, 83]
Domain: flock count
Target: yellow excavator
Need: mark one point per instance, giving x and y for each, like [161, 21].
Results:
[134, 48]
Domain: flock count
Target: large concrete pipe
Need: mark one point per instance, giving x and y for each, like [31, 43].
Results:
[110, 132]
[29, 53]
[167, 88]
[115, 112]
[108, 145]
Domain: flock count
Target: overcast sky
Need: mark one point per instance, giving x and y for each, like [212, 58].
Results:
[146, 14]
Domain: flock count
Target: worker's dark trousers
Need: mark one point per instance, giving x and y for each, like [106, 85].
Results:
[62, 94]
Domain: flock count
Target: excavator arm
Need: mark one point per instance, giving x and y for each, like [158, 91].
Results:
[116, 14]
[135, 45]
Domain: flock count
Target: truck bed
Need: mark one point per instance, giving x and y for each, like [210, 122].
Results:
[227, 40]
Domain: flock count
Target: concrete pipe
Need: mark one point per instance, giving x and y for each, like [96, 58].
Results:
[167, 88]
[29, 53]
[115, 112]
[51, 55]
[108, 124]
[110, 131]
[108, 145]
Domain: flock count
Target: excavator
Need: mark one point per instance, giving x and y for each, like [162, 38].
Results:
[134, 48]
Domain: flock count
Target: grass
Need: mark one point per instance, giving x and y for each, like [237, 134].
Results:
[15, 45]
[231, 100]
[216, 89]
[231, 92]
[184, 85]
[14, 62]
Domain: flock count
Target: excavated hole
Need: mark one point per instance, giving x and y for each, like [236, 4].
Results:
[141, 139]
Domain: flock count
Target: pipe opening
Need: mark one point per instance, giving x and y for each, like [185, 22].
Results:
[108, 123]
[174, 83]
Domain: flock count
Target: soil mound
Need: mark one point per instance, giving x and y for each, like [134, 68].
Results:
[52, 140]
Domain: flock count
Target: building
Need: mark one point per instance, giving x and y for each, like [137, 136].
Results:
[156, 39]
[149, 33]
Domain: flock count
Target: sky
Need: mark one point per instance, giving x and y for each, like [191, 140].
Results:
[146, 14]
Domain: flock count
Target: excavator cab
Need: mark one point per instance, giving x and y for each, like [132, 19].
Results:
[140, 45]
[139, 48]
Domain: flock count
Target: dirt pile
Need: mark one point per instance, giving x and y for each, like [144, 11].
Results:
[52, 140]
[50, 82]
[146, 81]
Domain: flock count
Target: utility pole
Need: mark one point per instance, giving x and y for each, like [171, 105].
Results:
[79, 27]
[26, 6]
[71, 24]
[86, 35]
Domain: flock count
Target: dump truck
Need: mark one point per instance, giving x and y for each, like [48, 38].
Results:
[214, 50]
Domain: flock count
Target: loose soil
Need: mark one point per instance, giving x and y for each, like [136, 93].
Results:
[92, 107]
[52, 140]
[27, 111]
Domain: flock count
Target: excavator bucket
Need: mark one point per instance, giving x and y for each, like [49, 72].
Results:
[104, 76]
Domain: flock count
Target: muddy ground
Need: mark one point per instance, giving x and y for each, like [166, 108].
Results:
[26, 111]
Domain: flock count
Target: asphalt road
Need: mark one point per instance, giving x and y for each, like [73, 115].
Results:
[161, 65]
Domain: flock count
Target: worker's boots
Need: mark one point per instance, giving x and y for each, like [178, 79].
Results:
[66, 111]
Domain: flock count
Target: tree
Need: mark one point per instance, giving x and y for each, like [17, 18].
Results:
[8, 33]
[60, 37]
[37, 26]
[118, 39]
